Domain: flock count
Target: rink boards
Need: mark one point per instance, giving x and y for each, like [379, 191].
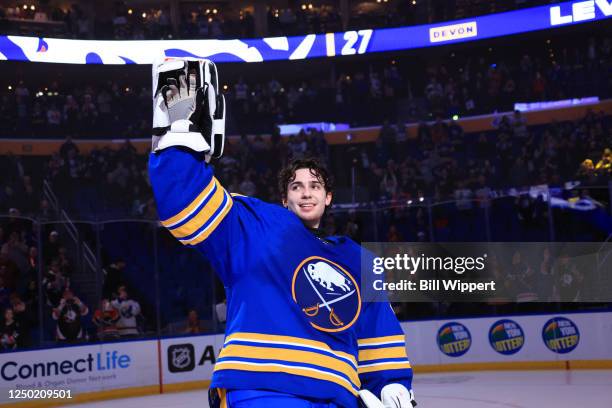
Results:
[102, 371]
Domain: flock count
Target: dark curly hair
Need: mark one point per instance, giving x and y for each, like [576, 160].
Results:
[317, 169]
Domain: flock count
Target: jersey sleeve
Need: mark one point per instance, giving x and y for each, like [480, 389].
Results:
[382, 349]
[195, 207]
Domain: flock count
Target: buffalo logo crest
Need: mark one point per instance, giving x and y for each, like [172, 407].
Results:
[326, 293]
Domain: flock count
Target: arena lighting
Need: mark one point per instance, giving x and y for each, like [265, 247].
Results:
[16, 48]
[295, 128]
[130, 11]
[32, 7]
[534, 106]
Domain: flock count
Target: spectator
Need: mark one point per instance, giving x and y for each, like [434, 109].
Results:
[4, 295]
[194, 325]
[113, 278]
[16, 250]
[68, 315]
[24, 318]
[9, 331]
[52, 246]
[394, 235]
[544, 279]
[247, 187]
[519, 279]
[567, 280]
[54, 284]
[519, 125]
[106, 319]
[129, 311]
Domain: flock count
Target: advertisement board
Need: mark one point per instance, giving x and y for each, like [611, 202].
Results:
[189, 360]
[546, 338]
[564, 340]
[80, 369]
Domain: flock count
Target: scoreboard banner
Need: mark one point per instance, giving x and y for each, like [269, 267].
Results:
[34, 49]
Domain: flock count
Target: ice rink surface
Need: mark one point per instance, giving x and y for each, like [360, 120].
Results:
[515, 389]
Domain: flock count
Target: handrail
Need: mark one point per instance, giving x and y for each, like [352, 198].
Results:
[89, 257]
[50, 196]
[70, 227]
[601, 248]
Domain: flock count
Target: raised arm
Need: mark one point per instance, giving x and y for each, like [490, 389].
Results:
[188, 127]
[189, 130]
[192, 204]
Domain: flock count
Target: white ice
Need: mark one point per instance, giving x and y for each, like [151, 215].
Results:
[487, 389]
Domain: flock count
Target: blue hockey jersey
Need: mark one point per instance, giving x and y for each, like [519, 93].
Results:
[295, 319]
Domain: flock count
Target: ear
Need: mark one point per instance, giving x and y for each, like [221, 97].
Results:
[284, 201]
[328, 199]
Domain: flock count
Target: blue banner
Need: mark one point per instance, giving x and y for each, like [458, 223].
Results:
[34, 49]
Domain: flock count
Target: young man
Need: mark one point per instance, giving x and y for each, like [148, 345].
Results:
[298, 333]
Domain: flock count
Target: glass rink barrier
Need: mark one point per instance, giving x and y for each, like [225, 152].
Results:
[68, 281]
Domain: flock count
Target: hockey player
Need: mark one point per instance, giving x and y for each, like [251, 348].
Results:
[298, 333]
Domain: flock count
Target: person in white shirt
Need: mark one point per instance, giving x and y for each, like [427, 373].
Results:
[129, 310]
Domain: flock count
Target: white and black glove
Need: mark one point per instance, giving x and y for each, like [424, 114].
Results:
[392, 396]
[188, 109]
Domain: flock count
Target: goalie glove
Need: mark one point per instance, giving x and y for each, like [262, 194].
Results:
[392, 395]
[187, 108]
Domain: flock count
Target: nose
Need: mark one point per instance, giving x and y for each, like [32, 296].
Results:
[306, 193]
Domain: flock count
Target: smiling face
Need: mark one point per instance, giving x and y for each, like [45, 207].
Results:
[307, 197]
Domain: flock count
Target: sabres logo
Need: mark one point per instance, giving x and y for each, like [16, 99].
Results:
[326, 293]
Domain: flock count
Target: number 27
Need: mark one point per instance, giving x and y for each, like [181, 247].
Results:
[351, 38]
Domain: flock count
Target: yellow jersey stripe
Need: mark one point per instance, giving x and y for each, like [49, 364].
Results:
[280, 368]
[374, 341]
[205, 233]
[298, 341]
[187, 211]
[202, 216]
[377, 354]
[394, 365]
[294, 356]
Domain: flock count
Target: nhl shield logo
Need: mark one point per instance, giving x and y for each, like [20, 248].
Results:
[181, 357]
[326, 293]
